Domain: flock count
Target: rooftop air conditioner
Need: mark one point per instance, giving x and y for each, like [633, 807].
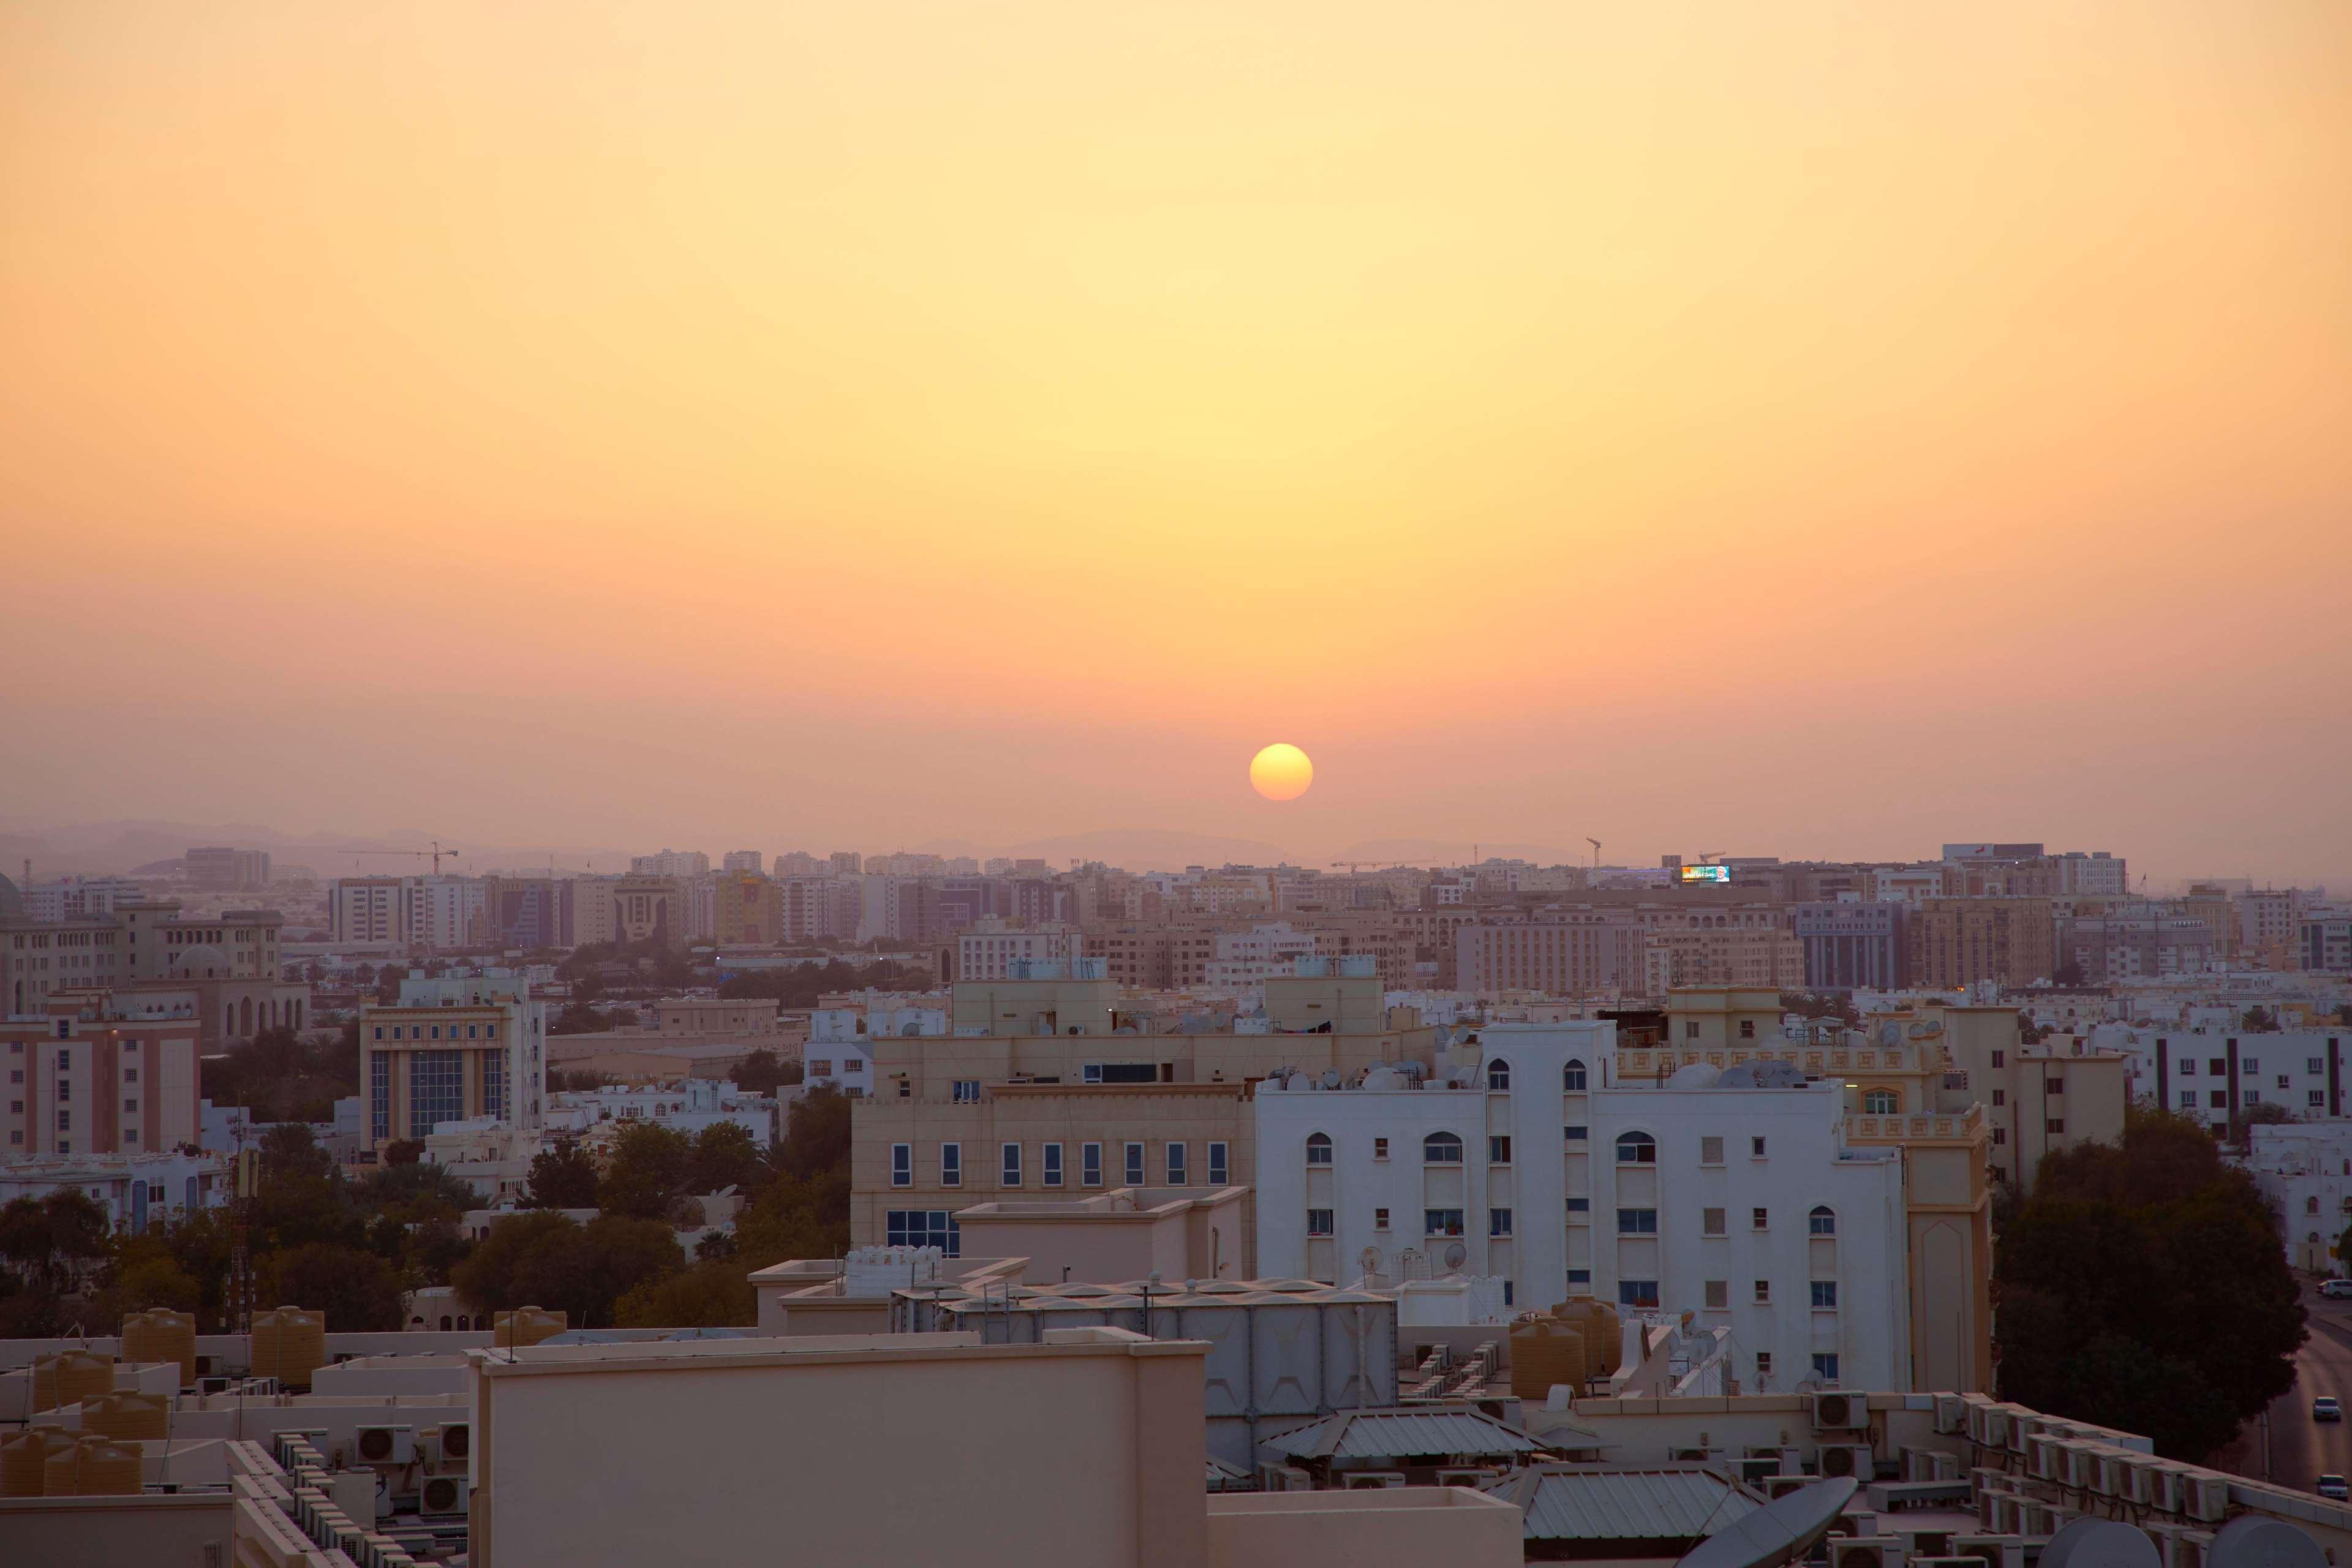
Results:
[1371, 1480]
[1992, 1550]
[385, 1445]
[1473, 1480]
[457, 1441]
[442, 1497]
[1273, 1478]
[2044, 1519]
[1758, 1468]
[2077, 1463]
[1864, 1551]
[1991, 1430]
[1928, 1542]
[1951, 1413]
[1848, 1459]
[2182, 1546]
[1856, 1522]
[1841, 1413]
[2020, 1422]
[2007, 1515]
[1781, 1486]
[2110, 1468]
[1687, 1455]
[2207, 1495]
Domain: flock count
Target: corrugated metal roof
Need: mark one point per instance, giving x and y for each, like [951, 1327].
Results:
[1577, 1502]
[1395, 1434]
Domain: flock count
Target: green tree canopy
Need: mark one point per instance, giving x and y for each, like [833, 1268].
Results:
[762, 1073]
[547, 1260]
[563, 1177]
[647, 1171]
[2146, 1287]
[724, 1155]
[356, 1292]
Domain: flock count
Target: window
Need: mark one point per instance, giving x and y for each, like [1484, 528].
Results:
[2218, 1066]
[494, 1084]
[1823, 1221]
[1178, 1175]
[2253, 1097]
[2219, 1099]
[967, 1092]
[130, 1075]
[950, 1165]
[1763, 1293]
[2285, 1082]
[1051, 1166]
[1441, 1149]
[1499, 1078]
[1579, 1276]
[1574, 1134]
[1090, 1164]
[1825, 1293]
[2000, 1098]
[1319, 1222]
[65, 1089]
[1498, 1222]
[1379, 1148]
[1880, 1101]
[1690, 1029]
[2315, 1064]
[1498, 1150]
[1135, 1165]
[1637, 1292]
[1572, 1076]
[1636, 1149]
[1012, 1165]
[2001, 1135]
[902, 1165]
[1759, 1219]
[924, 1228]
[1746, 1029]
[1825, 1365]
[2250, 1066]
[2187, 1067]
[380, 1097]
[2053, 1085]
[1710, 1151]
[1718, 1295]
[436, 1089]
[1579, 1205]
[2188, 1099]
[1319, 1148]
[1506, 1292]
[2053, 1126]
[1380, 1219]
[1710, 1222]
[1637, 1222]
[1763, 1366]
[2316, 1098]
[1441, 1221]
[1756, 1148]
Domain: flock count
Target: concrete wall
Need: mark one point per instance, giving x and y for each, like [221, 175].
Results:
[1086, 1449]
[1404, 1526]
[156, 1531]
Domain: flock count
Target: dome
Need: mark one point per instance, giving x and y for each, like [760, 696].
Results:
[202, 961]
[1762, 1074]
[12, 903]
[1698, 1075]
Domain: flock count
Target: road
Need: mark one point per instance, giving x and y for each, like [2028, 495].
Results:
[2301, 1450]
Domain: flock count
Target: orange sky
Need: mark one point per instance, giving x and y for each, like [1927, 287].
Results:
[1823, 428]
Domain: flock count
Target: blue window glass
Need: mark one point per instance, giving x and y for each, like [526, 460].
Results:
[436, 1089]
[494, 1084]
[380, 1096]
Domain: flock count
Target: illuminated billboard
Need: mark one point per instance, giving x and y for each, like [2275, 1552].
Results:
[1706, 873]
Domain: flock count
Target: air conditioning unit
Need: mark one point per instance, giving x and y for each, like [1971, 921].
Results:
[1852, 1459]
[1757, 1469]
[385, 1445]
[457, 1441]
[214, 1384]
[442, 1497]
[1864, 1551]
[2077, 1463]
[1927, 1542]
[1841, 1413]
[2043, 1520]
[2007, 1515]
[1687, 1455]
[1991, 1550]
[2109, 1470]
[1781, 1486]
[2022, 1421]
[1951, 1413]
[2181, 1546]
[1992, 1428]
[2040, 1462]
[1986, 1478]
[1473, 1480]
[1943, 1466]
[1370, 1480]
[1273, 1478]
[2207, 1495]
[1856, 1522]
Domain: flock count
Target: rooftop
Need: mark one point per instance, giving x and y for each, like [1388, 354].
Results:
[1590, 1502]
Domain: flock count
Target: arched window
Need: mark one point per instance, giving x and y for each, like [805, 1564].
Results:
[445, 1322]
[1636, 1149]
[1882, 1102]
[1823, 1221]
[1499, 1077]
[1441, 1149]
[1319, 1148]
[1572, 1076]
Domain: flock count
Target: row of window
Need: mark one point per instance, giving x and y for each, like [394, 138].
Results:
[1434, 1221]
[2249, 1067]
[2219, 1099]
[1822, 1221]
[1718, 1294]
[420, 1032]
[1010, 1164]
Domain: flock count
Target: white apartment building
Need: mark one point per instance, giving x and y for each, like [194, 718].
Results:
[80, 898]
[2304, 1171]
[135, 1190]
[1245, 961]
[671, 863]
[990, 949]
[1907, 884]
[2216, 1071]
[1737, 1201]
[456, 1047]
[688, 1106]
[837, 1055]
[407, 914]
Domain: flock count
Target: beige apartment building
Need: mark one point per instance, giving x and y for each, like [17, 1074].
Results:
[1959, 941]
[1711, 955]
[701, 1018]
[748, 910]
[2035, 1098]
[454, 1048]
[628, 909]
[1052, 1102]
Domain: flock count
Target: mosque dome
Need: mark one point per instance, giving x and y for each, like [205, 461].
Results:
[202, 961]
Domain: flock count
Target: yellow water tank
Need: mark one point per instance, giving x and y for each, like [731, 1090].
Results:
[109, 1469]
[24, 1458]
[158, 1335]
[528, 1326]
[69, 1377]
[289, 1345]
[1543, 1352]
[1604, 1344]
[128, 1415]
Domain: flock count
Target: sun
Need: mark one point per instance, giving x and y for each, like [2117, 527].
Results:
[1281, 772]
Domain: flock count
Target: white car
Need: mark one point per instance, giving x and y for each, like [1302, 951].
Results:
[2336, 1288]
[2325, 1408]
[2334, 1486]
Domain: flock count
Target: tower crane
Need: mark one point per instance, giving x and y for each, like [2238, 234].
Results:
[1596, 851]
[434, 854]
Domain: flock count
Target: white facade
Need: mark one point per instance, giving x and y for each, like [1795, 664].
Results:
[2215, 1069]
[845, 1064]
[671, 863]
[688, 1106]
[1245, 961]
[135, 1190]
[1742, 1206]
[2304, 1171]
[989, 951]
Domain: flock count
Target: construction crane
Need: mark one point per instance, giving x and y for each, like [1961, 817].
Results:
[434, 854]
[1596, 851]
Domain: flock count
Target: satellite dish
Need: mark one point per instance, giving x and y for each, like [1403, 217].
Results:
[1778, 1532]
[2103, 1543]
[1368, 1260]
[2250, 1541]
[1456, 1255]
[1331, 1078]
[1890, 1034]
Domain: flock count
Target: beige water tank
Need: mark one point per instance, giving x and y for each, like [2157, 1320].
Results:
[160, 1333]
[289, 1345]
[1604, 1343]
[1543, 1352]
[109, 1469]
[69, 1377]
[25, 1457]
[528, 1326]
[129, 1415]
[61, 1471]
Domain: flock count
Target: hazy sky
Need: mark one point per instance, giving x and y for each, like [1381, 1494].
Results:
[1790, 429]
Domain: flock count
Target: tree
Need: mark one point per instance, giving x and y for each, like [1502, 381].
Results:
[2262, 1113]
[563, 1177]
[816, 1135]
[50, 1242]
[647, 1170]
[547, 1260]
[415, 1191]
[2069, 973]
[578, 1018]
[761, 1073]
[403, 1152]
[356, 1292]
[2258, 1021]
[2145, 1286]
[713, 1294]
[723, 1156]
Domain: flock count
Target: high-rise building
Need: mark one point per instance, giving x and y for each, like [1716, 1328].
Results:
[1960, 941]
[225, 871]
[743, 861]
[1853, 945]
[454, 1049]
[671, 863]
